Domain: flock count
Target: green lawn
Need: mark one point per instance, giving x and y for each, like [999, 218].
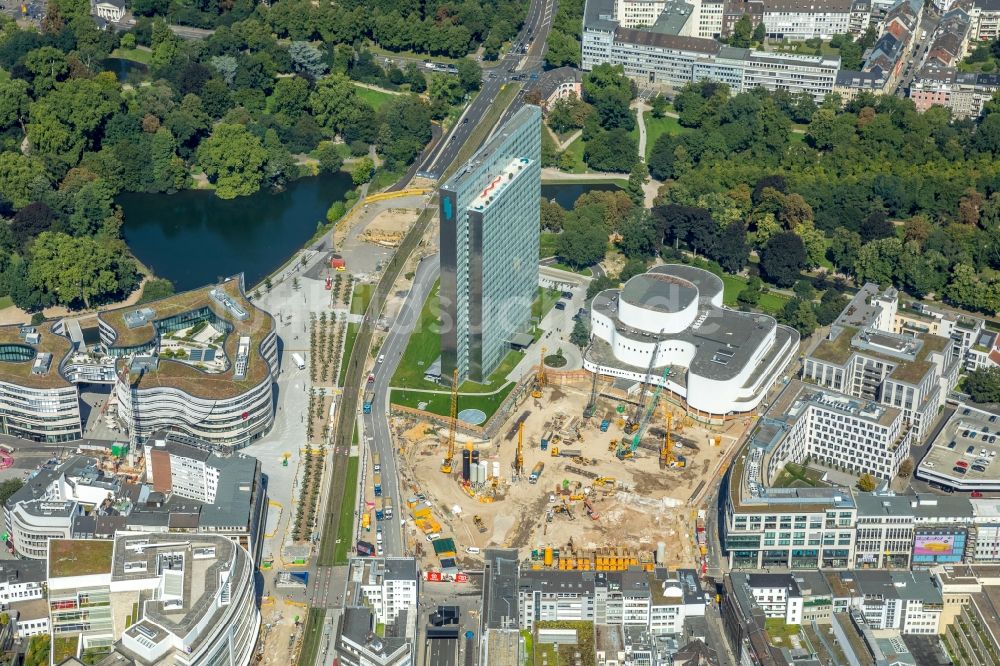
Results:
[779, 632]
[382, 179]
[547, 244]
[658, 126]
[359, 299]
[6, 302]
[797, 476]
[734, 284]
[376, 98]
[575, 150]
[425, 346]
[579, 271]
[440, 403]
[138, 55]
[312, 632]
[352, 335]
[345, 529]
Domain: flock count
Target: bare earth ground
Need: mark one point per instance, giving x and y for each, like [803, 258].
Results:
[649, 505]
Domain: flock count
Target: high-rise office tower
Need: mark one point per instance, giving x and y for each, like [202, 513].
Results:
[489, 248]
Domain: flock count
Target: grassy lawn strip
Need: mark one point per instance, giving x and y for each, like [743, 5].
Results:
[797, 476]
[770, 303]
[312, 633]
[376, 98]
[6, 302]
[362, 295]
[655, 127]
[581, 271]
[352, 335]
[143, 56]
[440, 403]
[345, 529]
[575, 150]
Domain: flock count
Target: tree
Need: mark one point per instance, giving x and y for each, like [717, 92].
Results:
[759, 33]
[637, 180]
[415, 77]
[876, 226]
[580, 336]
[80, 269]
[906, 468]
[659, 105]
[877, 261]
[31, 221]
[21, 177]
[750, 294]
[581, 244]
[445, 89]
[470, 75]
[553, 216]
[14, 101]
[155, 288]
[233, 159]
[983, 385]
[732, 250]
[614, 150]
[8, 488]
[845, 245]
[783, 259]
[742, 33]
[632, 268]
[600, 284]
[830, 306]
[638, 236]
[799, 314]
[307, 58]
[329, 157]
[867, 483]
[663, 156]
[563, 50]
[610, 91]
[362, 171]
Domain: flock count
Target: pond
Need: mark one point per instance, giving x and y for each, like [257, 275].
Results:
[122, 67]
[566, 194]
[193, 237]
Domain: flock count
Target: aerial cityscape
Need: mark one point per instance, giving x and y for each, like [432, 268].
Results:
[500, 333]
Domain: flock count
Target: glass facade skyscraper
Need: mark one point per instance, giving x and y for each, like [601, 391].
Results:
[489, 211]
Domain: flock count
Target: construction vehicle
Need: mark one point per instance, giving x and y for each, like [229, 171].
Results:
[480, 525]
[539, 383]
[519, 456]
[388, 508]
[568, 511]
[667, 456]
[380, 508]
[366, 521]
[627, 451]
[605, 424]
[377, 482]
[452, 424]
[590, 510]
[536, 472]
[565, 453]
[376, 463]
[613, 445]
[605, 482]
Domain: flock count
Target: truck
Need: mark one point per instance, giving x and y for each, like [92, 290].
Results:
[545, 441]
[388, 508]
[365, 549]
[377, 463]
[369, 394]
[366, 521]
[536, 472]
[380, 509]
[605, 424]
[377, 482]
[566, 453]
[299, 361]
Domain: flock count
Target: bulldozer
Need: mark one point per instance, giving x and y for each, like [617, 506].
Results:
[480, 525]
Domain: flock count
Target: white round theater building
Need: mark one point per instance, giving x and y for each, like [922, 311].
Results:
[720, 361]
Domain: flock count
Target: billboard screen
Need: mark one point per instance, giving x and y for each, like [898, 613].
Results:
[934, 545]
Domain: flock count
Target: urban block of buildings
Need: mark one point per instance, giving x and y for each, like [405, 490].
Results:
[380, 591]
[144, 599]
[678, 46]
[200, 363]
[489, 211]
[186, 489]
[667, 327]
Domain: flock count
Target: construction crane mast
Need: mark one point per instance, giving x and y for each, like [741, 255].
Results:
[452, 423]
[628, 450]
[667, 452]
[519, 458]
[633, 423]
[591, 407]
[536, 389]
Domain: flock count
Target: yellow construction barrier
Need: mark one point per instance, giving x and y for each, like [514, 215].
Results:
[300, 604]
[385, 196]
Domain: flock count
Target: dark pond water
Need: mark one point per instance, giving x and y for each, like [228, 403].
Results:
[193, 238]
[122, 67]
[566, 194]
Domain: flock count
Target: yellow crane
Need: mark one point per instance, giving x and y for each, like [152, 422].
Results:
[667, 450]
[519, 459]
[536, 389]
[446, 465]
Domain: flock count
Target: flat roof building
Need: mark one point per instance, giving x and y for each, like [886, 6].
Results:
[963, 454]
[667, 327]
[489, 213]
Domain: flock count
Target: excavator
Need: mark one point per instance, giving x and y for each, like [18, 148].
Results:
[446, 465]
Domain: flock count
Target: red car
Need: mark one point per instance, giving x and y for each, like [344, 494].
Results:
[976, 493]
[961, 463]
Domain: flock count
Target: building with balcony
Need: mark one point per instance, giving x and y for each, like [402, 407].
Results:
[189, 600]
[200, 363]
[384, 592]
[489, 232]
[668, 328]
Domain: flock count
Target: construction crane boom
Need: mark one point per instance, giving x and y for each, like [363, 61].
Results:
[519, 460]
[667, 452]
[452, 423]
[536, 389]
[633, 423]
[650, 409]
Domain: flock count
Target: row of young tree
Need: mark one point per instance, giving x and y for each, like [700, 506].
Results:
[238, 107]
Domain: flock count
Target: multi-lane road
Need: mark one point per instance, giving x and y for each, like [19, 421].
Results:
[376, 424]
[537, 25]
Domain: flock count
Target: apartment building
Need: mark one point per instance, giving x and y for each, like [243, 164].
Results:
[679, 52]
[861, 358]
[188, 602]
[985, 16]
[778, 595]
[380, 591]
[799, 20]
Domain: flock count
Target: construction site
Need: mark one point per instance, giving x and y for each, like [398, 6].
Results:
[583, 475]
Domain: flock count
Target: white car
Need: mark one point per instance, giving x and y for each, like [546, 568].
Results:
[381, 357]
[472, 550]
[379, 550]
[378, 537]
[433, 536]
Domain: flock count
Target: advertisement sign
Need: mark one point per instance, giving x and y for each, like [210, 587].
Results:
[934, 545]
[434, 576]
[461, 578]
